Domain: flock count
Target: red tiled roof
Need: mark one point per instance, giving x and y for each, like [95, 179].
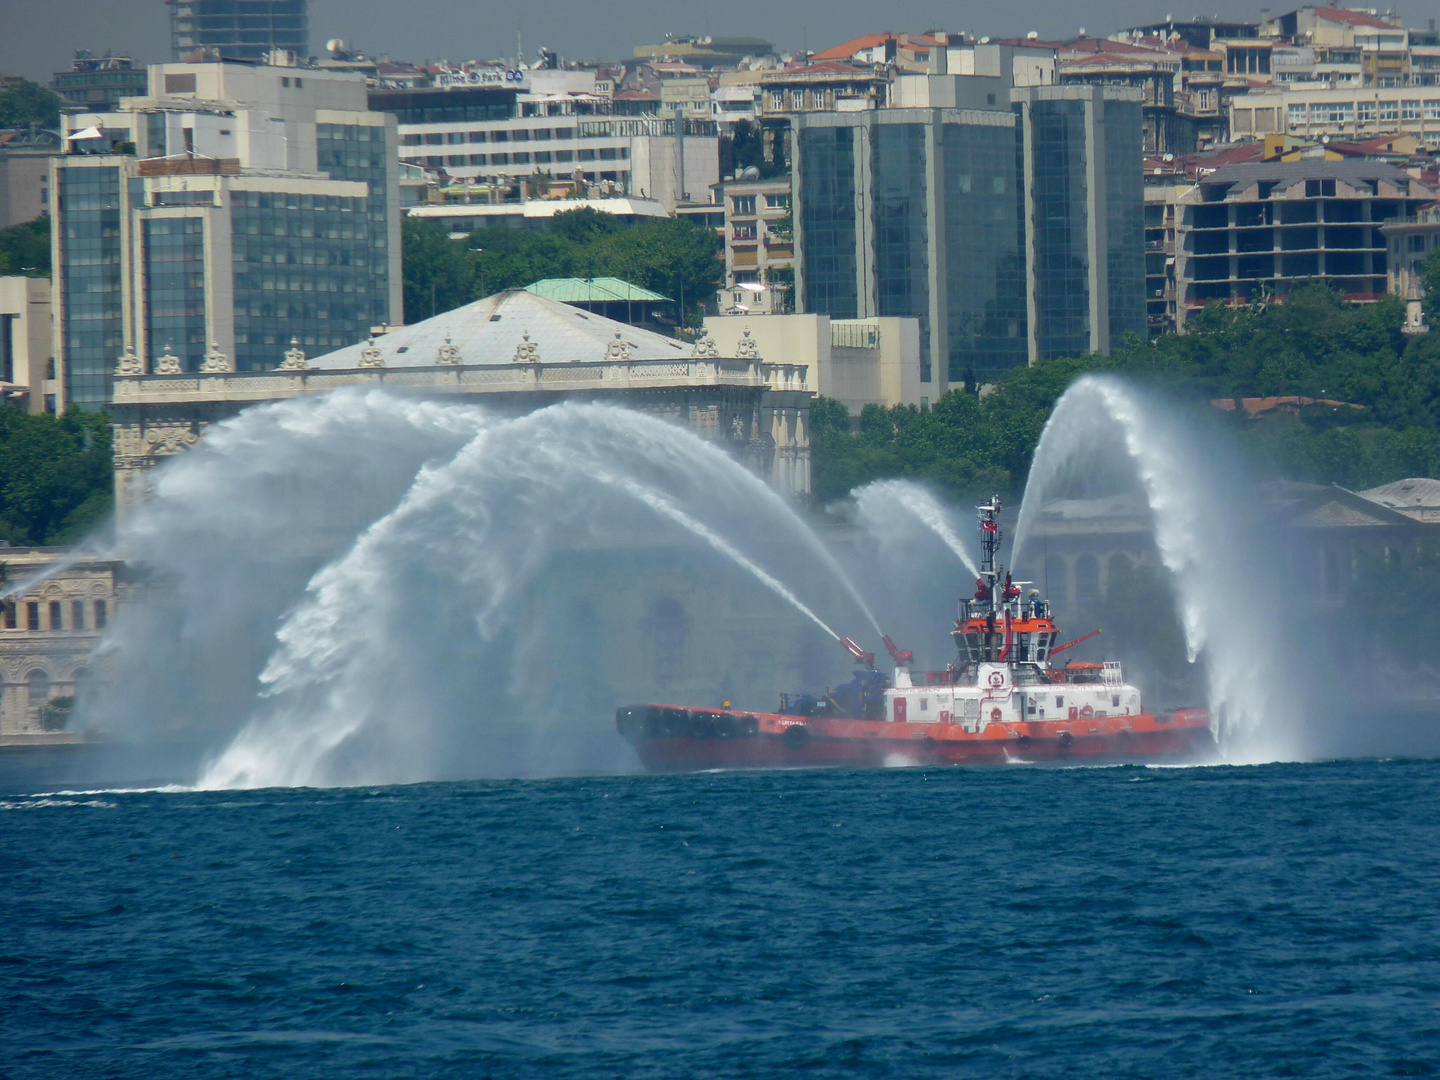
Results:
[846, 50]
[1354, 18]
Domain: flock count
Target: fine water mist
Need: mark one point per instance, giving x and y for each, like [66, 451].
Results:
[364, 588]
[885, 505]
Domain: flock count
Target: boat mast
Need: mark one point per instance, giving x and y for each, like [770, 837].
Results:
[989, 548]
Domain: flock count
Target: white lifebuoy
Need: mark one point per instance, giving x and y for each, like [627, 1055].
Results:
[997, 678]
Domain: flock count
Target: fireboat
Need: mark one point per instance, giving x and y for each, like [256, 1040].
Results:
[1004, 699]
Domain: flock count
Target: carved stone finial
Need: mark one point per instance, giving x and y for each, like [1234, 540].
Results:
[129, 365]
[705, 346]
[449, 354]
[216, 362]
[619, 350]
[527, 352]
[747, 349]
[371, 357]
[294, 357]
[168, 364]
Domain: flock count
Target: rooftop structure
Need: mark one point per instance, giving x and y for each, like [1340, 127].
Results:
[239, 29]
[97, 83]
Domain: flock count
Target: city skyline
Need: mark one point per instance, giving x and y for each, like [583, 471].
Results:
[41, 40]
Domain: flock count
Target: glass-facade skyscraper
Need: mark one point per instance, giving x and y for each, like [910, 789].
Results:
[239, 29]
[915, 212]
[1083, 167]
[1012, 234]
[197, 242]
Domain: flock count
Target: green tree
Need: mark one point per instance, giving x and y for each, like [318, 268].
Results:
[25, 248]
[56, 479]
[28, 103]
[437, 271]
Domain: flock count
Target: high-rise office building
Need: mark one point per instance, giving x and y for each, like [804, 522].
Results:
[236, 207]
[239, 29]
[1008, 220]
[916, 212]
[1083, 178]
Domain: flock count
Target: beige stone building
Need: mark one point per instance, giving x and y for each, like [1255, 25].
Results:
[48, 633]
[515, 350]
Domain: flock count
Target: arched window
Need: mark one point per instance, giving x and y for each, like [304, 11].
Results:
[1117, 569]
[38, 684]
[1087, 581]
[667, 635]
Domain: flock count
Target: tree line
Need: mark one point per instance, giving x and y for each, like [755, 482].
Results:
[1314, 344]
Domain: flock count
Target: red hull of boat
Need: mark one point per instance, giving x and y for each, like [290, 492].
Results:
[871, 743]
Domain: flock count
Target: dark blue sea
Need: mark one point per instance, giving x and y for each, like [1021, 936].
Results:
[1121, 922]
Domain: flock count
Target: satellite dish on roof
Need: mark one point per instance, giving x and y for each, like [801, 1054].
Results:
[750, 172]
[335, 45]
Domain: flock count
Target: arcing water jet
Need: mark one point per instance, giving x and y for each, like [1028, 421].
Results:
[1223, 570]
[400, 552]
[880, 504]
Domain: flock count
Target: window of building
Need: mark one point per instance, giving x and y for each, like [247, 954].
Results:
[10, 620]
[522, 135]
[1410, 110]
[541, 134]
[587, 155]
[778, 202]
[743, 204]
[542, 157]
[1319, 189]
[454, 137]
[434, 138]
[77, 615]
[57, 620]
[745, 232]
[1389, 111]
[299, 83]
[499, 136]
[564, 155]
[477, 136]
[1295, 114]
[410, 140]
[101, 612]
[477, 159]
[522, 158]
[1432, 109]
[32, 616]
[38, 683]
[499, 159]
[433, 162]
[455, 160]
[1366, 112]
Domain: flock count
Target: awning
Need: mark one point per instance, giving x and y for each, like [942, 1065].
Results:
[86, 133]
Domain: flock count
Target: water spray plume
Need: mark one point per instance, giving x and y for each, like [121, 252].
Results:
[1225, 591]
[380, 569]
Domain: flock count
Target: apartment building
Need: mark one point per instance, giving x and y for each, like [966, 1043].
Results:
[235, 209]
[1344, 112]
[1255, 230]
[759, 248]
[1411, 239]
[498, 133]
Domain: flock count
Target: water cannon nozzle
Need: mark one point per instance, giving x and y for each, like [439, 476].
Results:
[860, 655]
[900, 656]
